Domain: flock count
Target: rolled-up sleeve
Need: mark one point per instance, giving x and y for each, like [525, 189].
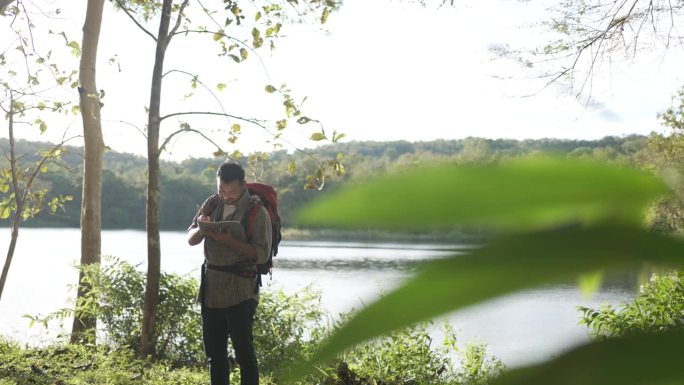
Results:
[262, 235]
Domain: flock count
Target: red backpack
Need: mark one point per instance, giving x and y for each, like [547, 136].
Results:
[269, 199]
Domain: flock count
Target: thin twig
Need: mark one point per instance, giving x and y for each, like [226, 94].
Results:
[128, 13]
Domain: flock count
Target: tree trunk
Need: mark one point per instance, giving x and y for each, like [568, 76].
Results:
[10, 254]
[84, 326]
[147, 338]
[16, 220]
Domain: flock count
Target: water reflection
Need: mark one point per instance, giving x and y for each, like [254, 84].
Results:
[345, 256]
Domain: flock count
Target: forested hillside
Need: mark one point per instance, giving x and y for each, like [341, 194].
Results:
[185, 184]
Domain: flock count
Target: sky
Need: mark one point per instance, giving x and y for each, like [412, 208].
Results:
[378, 70]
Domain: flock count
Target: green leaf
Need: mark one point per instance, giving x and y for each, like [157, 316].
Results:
[337, 137]
[75, 48]
[221, 86]
[291, 168]
[235, 128]
[257, 16]
[75, 110]
[640, 360]
[5, 212]
[590, 283]
[257, 41]
[505, 265]
[281, 124]
[218, 35]
[243, 53]
[529, 194]
[303, 120]
[270, 89]
[324, 16]
[318, 136]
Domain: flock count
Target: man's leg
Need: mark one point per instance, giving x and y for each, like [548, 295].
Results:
[240, 323]
[215, 337]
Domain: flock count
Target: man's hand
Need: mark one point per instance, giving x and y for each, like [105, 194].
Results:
[196, 235]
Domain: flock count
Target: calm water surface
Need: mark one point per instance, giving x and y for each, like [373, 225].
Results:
[521, 328]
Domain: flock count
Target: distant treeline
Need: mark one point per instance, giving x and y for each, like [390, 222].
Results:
[185, 184]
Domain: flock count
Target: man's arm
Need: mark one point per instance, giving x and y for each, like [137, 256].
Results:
[195, 235]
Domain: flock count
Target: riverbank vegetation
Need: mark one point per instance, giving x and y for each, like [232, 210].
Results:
[288, 329]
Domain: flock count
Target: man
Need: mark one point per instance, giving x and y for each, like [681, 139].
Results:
[229, 292]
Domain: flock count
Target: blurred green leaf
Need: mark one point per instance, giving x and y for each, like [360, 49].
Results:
[645, 359]
[505, 265]
[324, 16]
[590, 283]
[318, 136]
[75, 48]
[529, 194]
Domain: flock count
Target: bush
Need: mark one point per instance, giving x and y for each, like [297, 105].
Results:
[178, 331]
[287, 330]
[408, 357]
[658, 307]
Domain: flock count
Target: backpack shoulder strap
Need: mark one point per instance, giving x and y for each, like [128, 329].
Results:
[250, 219]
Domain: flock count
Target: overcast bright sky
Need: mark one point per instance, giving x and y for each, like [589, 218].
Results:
[381, 70]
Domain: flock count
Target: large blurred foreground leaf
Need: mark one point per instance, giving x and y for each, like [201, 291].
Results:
[529, 194]
[646, 359]
[505, 265]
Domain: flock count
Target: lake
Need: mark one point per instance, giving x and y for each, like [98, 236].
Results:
[521, 328]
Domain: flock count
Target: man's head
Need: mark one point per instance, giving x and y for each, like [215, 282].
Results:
[230, 181]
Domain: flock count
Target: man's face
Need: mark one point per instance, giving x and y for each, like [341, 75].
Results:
[229, 192]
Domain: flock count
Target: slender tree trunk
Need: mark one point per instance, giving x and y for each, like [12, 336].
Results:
[84, 325]
[16, 219]
[147, 338]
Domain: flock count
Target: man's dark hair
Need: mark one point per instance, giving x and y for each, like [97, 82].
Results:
[231, 171]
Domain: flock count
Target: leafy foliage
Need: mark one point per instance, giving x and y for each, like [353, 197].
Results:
[76, 365]
[554, 251]
[287, 331]
[409, 356]
[658, 307]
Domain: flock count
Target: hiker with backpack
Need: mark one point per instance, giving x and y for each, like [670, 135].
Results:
[229, 290]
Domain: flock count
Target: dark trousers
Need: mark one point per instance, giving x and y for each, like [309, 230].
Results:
[235, 322]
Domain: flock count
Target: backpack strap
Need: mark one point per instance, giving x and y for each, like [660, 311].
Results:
[249, 219]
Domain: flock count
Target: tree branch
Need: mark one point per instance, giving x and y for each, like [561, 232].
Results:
[253, 121]
[198, 132]
[128, 13]
[130, 124]
[178, 20]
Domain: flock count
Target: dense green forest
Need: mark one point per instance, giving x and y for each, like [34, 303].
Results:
[185, 184]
